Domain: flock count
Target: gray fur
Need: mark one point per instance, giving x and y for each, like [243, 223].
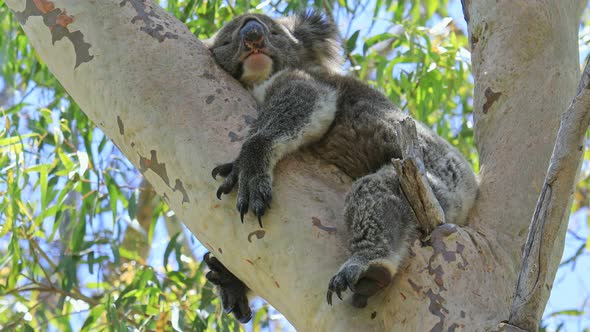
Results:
[304, 102]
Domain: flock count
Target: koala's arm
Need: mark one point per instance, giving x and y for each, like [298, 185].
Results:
[295, 110]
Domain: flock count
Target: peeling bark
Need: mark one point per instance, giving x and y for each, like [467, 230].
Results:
[176, 115]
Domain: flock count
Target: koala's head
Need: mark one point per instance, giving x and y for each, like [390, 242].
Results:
[252, 47]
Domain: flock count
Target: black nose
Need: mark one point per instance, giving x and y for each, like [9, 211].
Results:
[252, 34]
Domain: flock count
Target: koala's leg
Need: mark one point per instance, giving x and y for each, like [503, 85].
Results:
[296, 110]
[382, 225]
[231, 290]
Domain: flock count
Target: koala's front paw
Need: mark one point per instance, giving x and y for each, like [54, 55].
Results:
[231, 289]
[363, 279]
[254, 188]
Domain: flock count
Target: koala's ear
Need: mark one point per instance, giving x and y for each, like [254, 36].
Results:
[318, 33]
[314, 26]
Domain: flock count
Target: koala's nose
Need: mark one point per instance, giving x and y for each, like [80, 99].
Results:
[252, 34]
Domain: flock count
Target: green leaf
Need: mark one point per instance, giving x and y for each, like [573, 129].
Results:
[351, 42]
[172, 245]
[132, 206]
[569, 312]
[93, 317]
[116, 255]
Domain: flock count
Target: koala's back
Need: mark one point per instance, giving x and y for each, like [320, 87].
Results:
[362, 139]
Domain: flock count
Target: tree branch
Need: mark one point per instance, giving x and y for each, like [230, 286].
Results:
[552, 211]
[411, 171]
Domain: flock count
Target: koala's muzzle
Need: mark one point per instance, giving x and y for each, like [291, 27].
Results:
[252, 34]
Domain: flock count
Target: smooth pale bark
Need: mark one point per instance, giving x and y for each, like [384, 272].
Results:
[526, 68]
[154, 90]
[552, 209]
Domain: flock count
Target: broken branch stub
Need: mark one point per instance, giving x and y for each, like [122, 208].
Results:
[414, 185]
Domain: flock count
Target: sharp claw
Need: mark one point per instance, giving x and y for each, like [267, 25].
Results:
[339, 295]
[214, 173]
[245, 319]
[219, 192]
[242, 216]
[351, 287]
[329, 297]
[260, 221]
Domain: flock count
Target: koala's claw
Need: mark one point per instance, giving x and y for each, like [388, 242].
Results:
[242, 206]
[231, 289]
[254, 194]
[364, 280]
[222, 170]
[231, 178]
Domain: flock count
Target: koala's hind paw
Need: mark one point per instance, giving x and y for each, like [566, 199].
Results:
[363, 279]
[231, 289]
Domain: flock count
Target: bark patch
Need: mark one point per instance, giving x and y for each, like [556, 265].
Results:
[318, 223]
[155, 166]
[121, 125]
[154, 25]
[436, 308]
[233, 137]
[491, 98]
[57, 20]
[259, 235]
[160, 169]
[440, 248]
[439, 245]
[179, 186]
[208, 75]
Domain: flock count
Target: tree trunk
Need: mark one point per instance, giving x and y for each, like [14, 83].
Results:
[145, 80]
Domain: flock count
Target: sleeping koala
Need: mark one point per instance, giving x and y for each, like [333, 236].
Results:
[291, 66]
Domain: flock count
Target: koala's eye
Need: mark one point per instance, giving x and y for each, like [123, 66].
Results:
[274, 32]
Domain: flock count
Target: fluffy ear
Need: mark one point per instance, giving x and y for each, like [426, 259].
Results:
[317, 32]
[314, 25]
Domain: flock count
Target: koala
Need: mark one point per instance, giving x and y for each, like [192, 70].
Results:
[291, 66]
